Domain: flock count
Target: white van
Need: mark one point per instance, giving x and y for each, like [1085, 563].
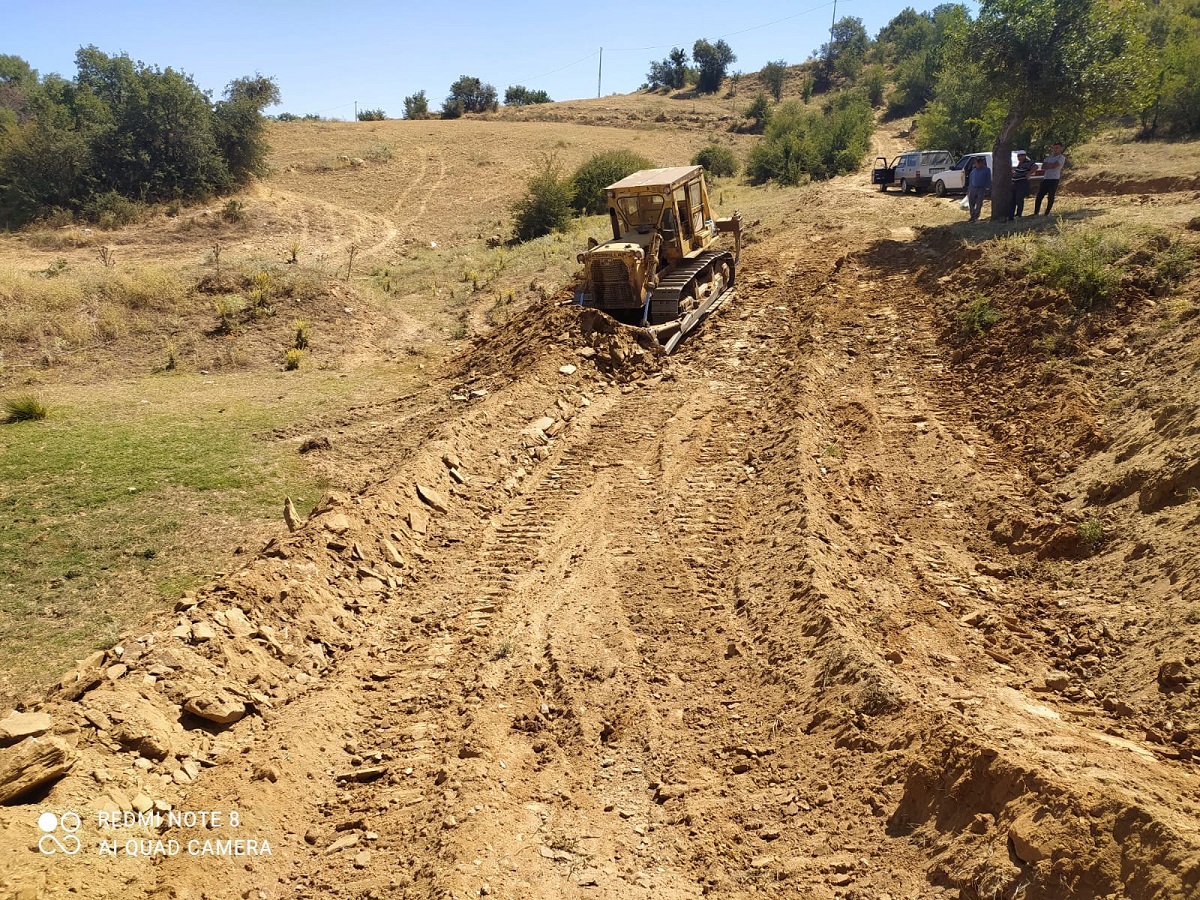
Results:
[912, 170]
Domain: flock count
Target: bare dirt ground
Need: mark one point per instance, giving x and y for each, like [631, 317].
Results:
[802, 611]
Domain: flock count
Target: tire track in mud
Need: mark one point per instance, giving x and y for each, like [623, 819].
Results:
[899, 495]
[599, 693]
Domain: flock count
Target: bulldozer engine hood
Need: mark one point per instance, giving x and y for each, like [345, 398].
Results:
[629, 249]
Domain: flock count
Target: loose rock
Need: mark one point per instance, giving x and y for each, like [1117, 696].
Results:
[219, 707]
[33, 762]
[432, 498]
[17, 726]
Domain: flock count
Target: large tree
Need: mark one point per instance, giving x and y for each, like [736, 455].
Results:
[1060, 64]
[469, 94]
[844, 53]
[670, 73]
[713, 61]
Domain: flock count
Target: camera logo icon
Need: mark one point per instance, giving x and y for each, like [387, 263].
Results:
[52, 827]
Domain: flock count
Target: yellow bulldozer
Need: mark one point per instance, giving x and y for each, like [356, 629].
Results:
[661, 270]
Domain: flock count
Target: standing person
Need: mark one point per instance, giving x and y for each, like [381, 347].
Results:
[979, 182]
[1052, 167]
[1020, 176]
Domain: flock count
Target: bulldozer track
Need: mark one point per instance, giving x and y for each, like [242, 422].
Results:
[672, 286]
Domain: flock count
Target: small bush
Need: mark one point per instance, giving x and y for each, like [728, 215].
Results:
[380, 154]
[873, 82]
[291, 359]
[229, 313]
[1174, 264]
[302, 329]
[111, 210]
[371, 115]
[1080, 262]
[717, 161]
[773, 74]
[519, 95]
[26, 408]
[977, 316]
[759, 114]
[598, 172]
[546, 205]
[234, 212]
[1091, 535]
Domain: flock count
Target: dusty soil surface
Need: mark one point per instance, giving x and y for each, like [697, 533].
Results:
[801, 611]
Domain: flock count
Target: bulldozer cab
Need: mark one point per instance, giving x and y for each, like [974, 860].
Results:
[673, 202]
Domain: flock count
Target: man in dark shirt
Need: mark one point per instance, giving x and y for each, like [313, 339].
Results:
[979, 182]
[1020, 176]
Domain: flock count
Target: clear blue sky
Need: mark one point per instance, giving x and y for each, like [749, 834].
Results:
[327, 55]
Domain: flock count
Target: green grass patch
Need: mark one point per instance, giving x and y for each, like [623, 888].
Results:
[131, 493]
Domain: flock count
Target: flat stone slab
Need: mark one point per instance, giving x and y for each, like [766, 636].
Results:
[17, 726]
[430, 497]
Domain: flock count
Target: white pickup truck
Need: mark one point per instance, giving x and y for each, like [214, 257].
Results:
[954, 179]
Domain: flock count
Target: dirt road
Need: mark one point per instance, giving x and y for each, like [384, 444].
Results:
[731, 624]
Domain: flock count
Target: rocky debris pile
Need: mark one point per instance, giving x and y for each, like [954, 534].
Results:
[543, 332]
[145, 718]
[618, 351]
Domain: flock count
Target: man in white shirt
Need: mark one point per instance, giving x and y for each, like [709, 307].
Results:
[1052, 167]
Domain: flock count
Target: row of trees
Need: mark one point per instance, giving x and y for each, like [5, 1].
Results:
[942, 66]
[122, 132]
[711, 64]
[471, 95]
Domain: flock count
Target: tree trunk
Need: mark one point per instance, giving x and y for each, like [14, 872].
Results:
[1002, 186]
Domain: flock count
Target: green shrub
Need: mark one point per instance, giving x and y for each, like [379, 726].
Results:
[519, 95]
[469, 94]
[111, 210]
[229, 311]
[717, 161]
[598, 172]
[873, 83]
[303, 332]
[26, 408]
[1080, 262]
[773, 74]
[759, 113]
[977, 317]
[1174, 264]
[800, 144]
[1092, 535]
[546, 205]
[291, 359]
[371, 115]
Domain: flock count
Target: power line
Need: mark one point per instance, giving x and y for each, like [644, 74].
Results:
[556, 71]
[584, 59]
[733, 33]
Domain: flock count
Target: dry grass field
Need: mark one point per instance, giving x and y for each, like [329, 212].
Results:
[883, 586]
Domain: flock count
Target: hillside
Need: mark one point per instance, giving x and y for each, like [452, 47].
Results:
[855, 596]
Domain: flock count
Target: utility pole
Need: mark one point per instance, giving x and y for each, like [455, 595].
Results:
[599, 72]
[356, 108]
